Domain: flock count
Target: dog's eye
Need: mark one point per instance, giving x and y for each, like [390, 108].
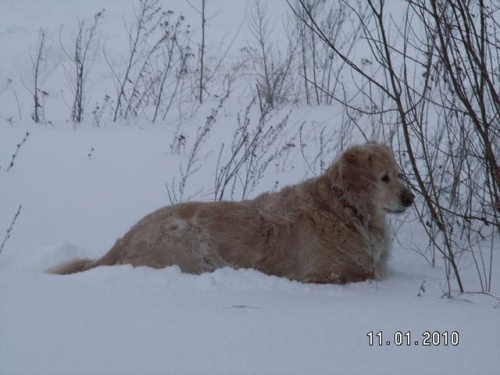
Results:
[385, 178]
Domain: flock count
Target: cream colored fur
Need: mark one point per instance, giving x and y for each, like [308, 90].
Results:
[328, 229]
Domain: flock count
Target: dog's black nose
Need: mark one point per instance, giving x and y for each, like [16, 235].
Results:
[407, 198]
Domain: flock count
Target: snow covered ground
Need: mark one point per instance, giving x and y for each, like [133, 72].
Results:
[81, 189]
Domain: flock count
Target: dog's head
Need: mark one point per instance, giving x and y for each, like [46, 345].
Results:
[369, 174]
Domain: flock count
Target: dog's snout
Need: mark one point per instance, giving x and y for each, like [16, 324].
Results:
[407, 198]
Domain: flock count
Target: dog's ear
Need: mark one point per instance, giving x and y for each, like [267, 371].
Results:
[352, 172]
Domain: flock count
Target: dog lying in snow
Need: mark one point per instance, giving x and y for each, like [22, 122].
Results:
[328, 229]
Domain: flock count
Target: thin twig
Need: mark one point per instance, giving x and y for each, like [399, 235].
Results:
[7, 234]
[17, 150]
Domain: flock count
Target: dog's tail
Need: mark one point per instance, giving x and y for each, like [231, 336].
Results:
[73, 266]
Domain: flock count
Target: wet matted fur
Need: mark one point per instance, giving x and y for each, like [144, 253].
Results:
[328, 229]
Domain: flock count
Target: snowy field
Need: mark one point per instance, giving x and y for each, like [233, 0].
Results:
[82, 187]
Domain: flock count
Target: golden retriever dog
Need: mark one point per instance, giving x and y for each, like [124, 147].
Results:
[328, 229]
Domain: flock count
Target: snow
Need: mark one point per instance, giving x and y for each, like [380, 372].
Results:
[121, 320]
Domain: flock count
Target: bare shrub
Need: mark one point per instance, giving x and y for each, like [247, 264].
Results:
[320, 68]
[153, 76]
[201, 81]
[177, 189]
[273, 66]
[84, 51]
[39, 63]
[319, 144]
[436, 92]
[145, 24]
[253, 149]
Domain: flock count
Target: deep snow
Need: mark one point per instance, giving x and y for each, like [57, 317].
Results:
[121, 320]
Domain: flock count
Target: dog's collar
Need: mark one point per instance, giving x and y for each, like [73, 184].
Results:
[339, 194]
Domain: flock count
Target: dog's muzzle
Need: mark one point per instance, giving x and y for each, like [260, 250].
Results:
[407, 198]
